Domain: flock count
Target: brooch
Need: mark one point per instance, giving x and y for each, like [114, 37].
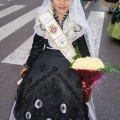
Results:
[53, 29]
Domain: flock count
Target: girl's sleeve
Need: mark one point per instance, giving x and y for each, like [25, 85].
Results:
[83, 46]
[37, 48]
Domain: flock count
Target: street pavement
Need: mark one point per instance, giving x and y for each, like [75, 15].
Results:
[17, 18]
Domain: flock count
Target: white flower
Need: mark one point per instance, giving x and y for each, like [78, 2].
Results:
[88, 63]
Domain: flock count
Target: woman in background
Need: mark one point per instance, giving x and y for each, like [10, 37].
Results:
[114, 26]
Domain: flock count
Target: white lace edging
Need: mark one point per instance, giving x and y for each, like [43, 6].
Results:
[71, 29]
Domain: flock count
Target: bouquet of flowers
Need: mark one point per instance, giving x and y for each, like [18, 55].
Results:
[90, 70]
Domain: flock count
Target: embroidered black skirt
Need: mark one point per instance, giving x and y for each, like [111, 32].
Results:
[50, 91]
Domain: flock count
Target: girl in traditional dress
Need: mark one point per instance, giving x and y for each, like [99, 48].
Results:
[114, 26]
[112, 4]
[50, 90]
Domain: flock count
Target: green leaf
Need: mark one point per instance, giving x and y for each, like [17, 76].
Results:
[78, 54]
[110, 68]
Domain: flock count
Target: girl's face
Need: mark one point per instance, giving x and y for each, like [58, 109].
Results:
[61, 6]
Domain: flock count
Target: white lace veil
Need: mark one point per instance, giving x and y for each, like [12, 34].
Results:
[76, 15]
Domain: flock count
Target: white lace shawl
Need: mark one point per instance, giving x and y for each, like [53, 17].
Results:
[72, 30]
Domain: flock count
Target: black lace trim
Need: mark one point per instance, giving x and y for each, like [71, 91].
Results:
[43, 67]
[54, 70]
[69, 87]
[22, 99]
[72, 92]
[52, 88]
[57, 18]
[68, 73]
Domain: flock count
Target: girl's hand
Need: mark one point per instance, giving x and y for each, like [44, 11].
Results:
[23, 72]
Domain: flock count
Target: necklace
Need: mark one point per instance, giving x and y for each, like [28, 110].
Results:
[60, 19]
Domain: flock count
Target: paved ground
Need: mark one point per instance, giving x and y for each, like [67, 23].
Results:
[13, 47]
